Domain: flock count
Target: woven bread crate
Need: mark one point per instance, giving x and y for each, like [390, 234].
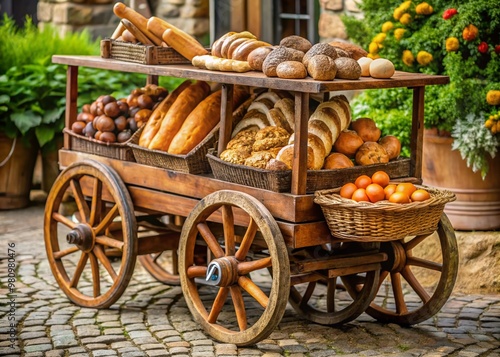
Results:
[120, 151]
[383, 220]
[144, 54]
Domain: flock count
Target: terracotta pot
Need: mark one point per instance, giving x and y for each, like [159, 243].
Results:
[16, 173]
[478, 201]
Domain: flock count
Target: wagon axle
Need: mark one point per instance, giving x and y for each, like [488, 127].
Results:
[82, 236]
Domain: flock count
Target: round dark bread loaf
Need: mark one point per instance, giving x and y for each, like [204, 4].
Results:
[320, 49]
[296, 42]
[322, 68]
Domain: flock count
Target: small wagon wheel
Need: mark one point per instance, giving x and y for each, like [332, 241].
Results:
[162, 265]
[323, 300]
[77, 249]
[253, 311]
[405, 271]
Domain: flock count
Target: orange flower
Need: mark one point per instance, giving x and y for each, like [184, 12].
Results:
[408, 58]
[405, 19]
[399, 33]
[424, 9]
[424, 58]
[470, 32]
[452, 44]
[387, 26]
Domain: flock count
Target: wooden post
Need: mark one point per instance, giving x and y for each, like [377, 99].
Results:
[226, 117]
[299, 168]
[417, 132]
[71, 100]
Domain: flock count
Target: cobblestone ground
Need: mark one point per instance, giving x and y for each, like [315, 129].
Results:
[151, 319]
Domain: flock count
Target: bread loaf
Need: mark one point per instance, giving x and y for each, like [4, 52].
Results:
[185, 103]
[182, 45]
[256, 57]
[337, 160]
[217, 45]
[353, 50]
[347, 68]
[291, 70]
[319, 49]
[322, 68]
[330, 117]
[287, 107]
[315, 143]
[242, 51]
[154, 123]
[273, 59]
[296, 42]
[235, 156]
[270, 137]
[321, 130]
[286, 156]
[229, 40]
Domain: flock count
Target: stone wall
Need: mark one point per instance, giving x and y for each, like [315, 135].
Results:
[330, 26]
[98, 18]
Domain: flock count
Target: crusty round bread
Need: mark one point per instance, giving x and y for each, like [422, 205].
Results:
[296, 42]
[273, 59]
[235, 156]
[243, 140]
[348, 143]
[366, 129]
[241, 53]
[270, 137]
[322, 68]
[320, 49]
[336, 160]
[347, 68]
[392, 145]
[291, 70]
[286, 156]
[287, 107]
[371, 153]
[321, 130]
[257, 56]
[260, 159]
[341, 52]
[276, 165]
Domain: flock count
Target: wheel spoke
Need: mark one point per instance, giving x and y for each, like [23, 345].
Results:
[96, 279]
[383, 274]
[107, 220]
[247, 241]
[210, 239]
[397, 290]
[65, 252]
[64, 220]
[239, 307]
[79, 269]
[414, 242]
[110, 242]
[250, 287]
[95, 211]
[101, 256]
[423, 263]
[83, 208]
[417, 287]
[219, 301]
[245, 268]
[196, 272]
[330, 294]
[228, 224]
[308, 293]
[156, 256]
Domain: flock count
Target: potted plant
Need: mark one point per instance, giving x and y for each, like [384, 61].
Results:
[460, 39]
[32, 99]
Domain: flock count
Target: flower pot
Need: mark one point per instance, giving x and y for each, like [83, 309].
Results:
[477, 206]
[17, 162]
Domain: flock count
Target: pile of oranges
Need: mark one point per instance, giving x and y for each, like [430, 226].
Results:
[377, 188]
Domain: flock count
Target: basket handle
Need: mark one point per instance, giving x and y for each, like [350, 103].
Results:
[9, 155]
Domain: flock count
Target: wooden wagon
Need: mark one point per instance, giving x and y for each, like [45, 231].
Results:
[240, 253]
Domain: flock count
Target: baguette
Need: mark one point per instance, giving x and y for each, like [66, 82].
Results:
[215, 63]
[118, 31]
[197, 125]
[187, 100]
[182, 45]
[154, 122]
[159, 26]
[142, 38]
[124, 12]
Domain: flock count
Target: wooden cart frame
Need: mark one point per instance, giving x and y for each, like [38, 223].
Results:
[219, 233]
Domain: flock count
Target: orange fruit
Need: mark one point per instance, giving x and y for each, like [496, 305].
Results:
[406, 187]
[381, 177]
[420, 195]
[399, 197]
[389, 190]
[363, 181]
[347, 190]
[375, 192]
[360, 195]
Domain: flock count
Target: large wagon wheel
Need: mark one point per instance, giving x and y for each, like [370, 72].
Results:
[323, 300]
[253, 311]
[405, 271]
[162, 265]
[77, 249]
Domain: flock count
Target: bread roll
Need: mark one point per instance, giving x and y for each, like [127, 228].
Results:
[235, 156]
[241, 53]
[322, 68]
[291, 70]
[273, 59]
[392, 146]
[234, 45]
[229, 40]
[348, 143]
[276, 165]
[347, 68]
[256, 57]
[259, 159]
[371, 153]
[187, 100]
[319, 49]
[243, 140]
[337, 160]
[366, 129]
[296, 42]
[217, 45]
[270, 137]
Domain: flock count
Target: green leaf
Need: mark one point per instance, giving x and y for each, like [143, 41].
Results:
[4, 99]
[25, 121]
[44, 135]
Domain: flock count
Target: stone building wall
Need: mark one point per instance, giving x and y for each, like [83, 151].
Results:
[98, 18]
[330, 26]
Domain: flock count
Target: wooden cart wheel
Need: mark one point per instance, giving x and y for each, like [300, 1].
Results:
[77, 250]
[323, 300]
[253, 311]
[405, 270]
[162, 265]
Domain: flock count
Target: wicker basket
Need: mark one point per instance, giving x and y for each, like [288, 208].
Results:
[120, 151]
[131, 52]
[280, 181]
[195, 162]
[384, 220]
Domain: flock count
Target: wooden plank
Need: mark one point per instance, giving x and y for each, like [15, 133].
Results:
[238, 17]
[417, 132]
[254, 78]
[254, 17]
[71, 101]
[284, 206]
[299, 172]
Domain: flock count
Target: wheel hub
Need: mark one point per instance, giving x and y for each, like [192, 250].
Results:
[82, 236]
[396, 254]
[222, 272]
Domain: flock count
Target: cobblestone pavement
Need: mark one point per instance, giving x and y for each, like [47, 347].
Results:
[151, 319]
